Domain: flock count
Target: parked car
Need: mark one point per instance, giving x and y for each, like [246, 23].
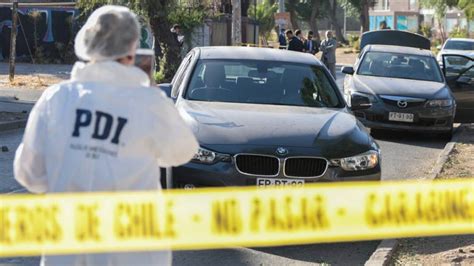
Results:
[401, 87]
[460, 78]
[267, 117]
[456, 46]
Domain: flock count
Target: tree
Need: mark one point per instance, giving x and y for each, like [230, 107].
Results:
[291, 6]
[157, 12]
[359, 8]
[264, 17]
[468, 7]
[332, 15]
[309, 10]
[440, 7]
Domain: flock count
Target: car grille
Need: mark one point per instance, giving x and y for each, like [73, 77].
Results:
[305, 167]
[409, 104]
[257, 165]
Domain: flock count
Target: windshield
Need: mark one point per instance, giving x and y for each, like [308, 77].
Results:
[459, 45]
[262, 82]
[392, 65]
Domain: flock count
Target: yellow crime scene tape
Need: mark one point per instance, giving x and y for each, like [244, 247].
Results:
[229, 217]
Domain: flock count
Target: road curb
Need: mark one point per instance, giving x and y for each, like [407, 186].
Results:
[4, 126]
[444, 156]
[385, 250]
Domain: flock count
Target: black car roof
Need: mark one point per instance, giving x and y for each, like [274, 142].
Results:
[256, 53]
[395, 37]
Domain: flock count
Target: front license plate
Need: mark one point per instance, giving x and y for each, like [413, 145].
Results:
[263, 182]
[401, 117]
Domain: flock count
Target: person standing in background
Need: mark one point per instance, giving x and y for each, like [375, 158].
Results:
[328, 47]
[294, 44]
[311, 46]
[282, 39]
[176, 31]
[383, 26]
[299, 35]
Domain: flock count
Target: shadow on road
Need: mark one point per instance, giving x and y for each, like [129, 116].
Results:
[354, 253]
[423, 139]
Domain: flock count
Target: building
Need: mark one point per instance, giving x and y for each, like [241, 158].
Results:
[407, 15]
[45, 24]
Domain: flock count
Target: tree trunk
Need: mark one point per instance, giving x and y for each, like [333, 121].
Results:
[364, 16]
[333, 17]
[313, 20]
[162, 30]
[293, 16]
[442, 34]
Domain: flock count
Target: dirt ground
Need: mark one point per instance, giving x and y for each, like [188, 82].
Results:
[461, 160]
[31, 76]
[449, 250]
[345, 56]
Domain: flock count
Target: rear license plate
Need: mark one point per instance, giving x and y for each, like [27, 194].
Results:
[401, 117]
[263, 182]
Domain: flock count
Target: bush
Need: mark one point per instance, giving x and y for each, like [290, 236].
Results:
[459, 32]
[354, 42]
[159, 77]
[425, 30]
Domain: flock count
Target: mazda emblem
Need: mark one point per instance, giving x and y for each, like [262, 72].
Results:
[402, 104]
[282, 151]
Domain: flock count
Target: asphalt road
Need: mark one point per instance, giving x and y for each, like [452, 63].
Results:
[404, 156]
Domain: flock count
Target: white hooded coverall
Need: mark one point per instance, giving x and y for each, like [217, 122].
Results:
[104, 130]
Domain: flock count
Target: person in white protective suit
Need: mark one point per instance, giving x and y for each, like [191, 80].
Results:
[104, 129]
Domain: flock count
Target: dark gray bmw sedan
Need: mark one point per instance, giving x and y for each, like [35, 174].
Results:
[267, 117]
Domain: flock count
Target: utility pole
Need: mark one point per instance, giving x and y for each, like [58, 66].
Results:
[281, 9]
[13, 39]
[281, 6]
[255, 23]
[236, 22]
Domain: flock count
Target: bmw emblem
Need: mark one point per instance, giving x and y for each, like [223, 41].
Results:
[282, 151]
[402, 104]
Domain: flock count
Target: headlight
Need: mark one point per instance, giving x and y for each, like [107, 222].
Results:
[439, 103]
[209, 157]
[370, 97]
[364, 161]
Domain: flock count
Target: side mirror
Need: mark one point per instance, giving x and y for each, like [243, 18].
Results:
[166, 87]
[359, 102]
[347, 70]
[438, 47]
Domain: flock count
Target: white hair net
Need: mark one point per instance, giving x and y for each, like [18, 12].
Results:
[111, 32]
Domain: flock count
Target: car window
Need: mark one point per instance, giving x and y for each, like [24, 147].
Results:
[459, 45]
[393, 65]
[459, 67]
[262, 82]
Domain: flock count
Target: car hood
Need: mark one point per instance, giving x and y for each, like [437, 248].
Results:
[333, 131]
[403, 87]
